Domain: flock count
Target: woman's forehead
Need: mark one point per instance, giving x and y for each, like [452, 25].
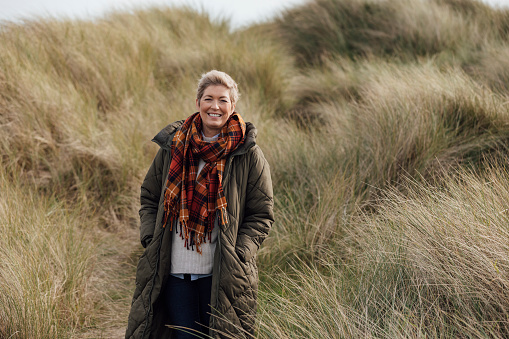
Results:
[216, 91]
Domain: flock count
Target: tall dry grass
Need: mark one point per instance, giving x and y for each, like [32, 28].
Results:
[490, 67]
[410, 121]
[46, 265]
[402, 29]
[431, 262]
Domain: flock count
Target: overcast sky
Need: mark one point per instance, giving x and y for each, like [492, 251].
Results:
[241, 12]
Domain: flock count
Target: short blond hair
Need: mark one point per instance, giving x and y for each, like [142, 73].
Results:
[215, 77]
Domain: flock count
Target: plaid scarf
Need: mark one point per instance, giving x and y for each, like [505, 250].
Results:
[194, 200]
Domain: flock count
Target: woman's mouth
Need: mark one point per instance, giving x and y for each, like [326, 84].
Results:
[214, 115]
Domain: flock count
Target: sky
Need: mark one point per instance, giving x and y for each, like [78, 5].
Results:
[241, 12]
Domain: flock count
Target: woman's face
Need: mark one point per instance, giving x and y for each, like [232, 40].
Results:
[215, 108]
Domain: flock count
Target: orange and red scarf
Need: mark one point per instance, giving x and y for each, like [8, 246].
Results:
[194, 201]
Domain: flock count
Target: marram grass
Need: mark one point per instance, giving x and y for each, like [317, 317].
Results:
[385, 124]
[431, 262]
[45, 267]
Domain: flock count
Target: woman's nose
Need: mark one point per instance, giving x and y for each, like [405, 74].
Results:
[215, 105]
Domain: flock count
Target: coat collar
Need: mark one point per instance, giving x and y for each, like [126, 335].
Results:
[165, 136]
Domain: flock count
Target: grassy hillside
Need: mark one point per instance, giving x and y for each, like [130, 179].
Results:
[386, 125]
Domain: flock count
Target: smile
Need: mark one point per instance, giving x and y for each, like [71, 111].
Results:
[214, 115]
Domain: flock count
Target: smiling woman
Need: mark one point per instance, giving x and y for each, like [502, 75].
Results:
[206, 207]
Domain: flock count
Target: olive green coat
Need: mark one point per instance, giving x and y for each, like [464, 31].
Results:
[248, 189]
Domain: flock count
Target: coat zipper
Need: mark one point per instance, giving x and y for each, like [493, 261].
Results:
[227, 169]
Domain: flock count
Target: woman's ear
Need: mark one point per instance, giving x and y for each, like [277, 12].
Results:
[197, 104]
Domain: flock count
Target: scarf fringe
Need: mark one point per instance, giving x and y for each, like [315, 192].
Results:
[169, 212]
[223, 216]
[192, 239]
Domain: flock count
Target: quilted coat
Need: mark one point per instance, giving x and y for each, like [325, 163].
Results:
[248, 189]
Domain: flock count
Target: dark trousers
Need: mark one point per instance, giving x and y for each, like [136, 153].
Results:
[188, 304]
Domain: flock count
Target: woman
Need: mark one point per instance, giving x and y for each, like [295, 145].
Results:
[206, 207]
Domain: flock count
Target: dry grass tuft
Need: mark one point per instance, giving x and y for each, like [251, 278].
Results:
[402, 29]
[45, 266]
[431, 262]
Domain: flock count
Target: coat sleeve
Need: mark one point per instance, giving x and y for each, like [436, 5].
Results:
[149, 198]
[258, 213]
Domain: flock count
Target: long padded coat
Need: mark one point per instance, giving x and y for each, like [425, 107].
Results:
[248, 189]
